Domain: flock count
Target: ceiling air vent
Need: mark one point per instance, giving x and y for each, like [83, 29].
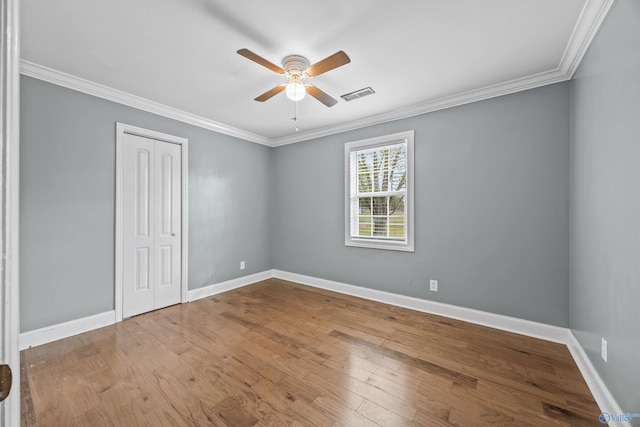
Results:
[357, 94]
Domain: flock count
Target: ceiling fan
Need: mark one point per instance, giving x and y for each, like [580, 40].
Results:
[296, 69]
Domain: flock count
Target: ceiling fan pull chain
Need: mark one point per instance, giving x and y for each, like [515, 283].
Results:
[295, 113]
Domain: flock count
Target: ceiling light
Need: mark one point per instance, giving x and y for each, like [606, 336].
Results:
[295, 90]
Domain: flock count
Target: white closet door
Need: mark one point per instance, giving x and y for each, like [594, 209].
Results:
[151, 225]
[168, 224]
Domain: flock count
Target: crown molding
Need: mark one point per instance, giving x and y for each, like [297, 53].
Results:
[95, 89]
[591, 17]
[493, 91]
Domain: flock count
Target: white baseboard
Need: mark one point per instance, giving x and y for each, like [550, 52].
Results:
[497, 321]
[598, 388]
[557, 334]
[216, 288]
[506, 323]
[74, 327]
[66, 329]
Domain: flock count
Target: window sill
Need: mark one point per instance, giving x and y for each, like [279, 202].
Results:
[373, 244]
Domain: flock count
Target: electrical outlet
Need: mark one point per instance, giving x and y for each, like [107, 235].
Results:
[604, 349]
[241, 265]
[433, 285]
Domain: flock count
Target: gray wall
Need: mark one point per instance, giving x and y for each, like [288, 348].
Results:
[491, 204]
[67, 206]
[492, 208]
[605, 207]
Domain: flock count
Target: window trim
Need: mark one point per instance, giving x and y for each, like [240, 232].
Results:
[404, 245]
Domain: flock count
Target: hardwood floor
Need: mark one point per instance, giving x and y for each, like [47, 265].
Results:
[278, 353]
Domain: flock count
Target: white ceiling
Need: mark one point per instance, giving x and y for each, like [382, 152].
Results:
[178, 57]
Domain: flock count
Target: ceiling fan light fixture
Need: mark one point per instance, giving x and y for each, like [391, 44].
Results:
[295, 89]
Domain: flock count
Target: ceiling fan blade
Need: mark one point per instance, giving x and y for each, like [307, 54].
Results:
[272, 92]
[260, 60]
[321, 96]
[336, 60]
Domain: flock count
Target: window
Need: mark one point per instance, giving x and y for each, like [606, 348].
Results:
[379, 192]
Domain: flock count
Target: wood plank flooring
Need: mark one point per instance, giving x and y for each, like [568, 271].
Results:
[277, 353]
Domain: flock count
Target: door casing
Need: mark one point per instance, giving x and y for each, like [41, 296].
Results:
[121, 130]
[9, 203]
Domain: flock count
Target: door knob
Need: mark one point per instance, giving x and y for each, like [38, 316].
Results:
[5, 381]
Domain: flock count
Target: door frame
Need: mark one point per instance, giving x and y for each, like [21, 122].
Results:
[122, 130]
[9, 202]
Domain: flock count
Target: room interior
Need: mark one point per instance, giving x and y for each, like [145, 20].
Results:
[526, 129]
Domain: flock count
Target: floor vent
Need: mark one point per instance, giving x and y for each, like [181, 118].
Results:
[357, 94]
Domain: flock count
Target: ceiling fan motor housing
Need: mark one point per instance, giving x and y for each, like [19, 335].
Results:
[295, 65]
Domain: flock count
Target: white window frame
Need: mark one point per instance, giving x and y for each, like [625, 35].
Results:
[396, 245]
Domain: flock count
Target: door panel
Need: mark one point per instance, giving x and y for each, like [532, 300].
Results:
[142, 269]
[165, 266]
[166, 201]
[138, 224]
[169, 233]
[142, 196]
[151, 225]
